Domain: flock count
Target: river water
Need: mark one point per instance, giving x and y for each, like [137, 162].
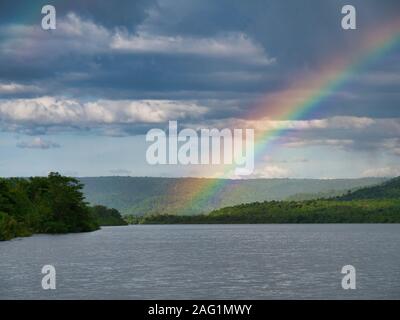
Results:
[206, 262]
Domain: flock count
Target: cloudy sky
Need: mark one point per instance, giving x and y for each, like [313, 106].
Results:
[80, 99]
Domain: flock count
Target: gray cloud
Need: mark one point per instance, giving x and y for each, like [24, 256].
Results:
[10, 88]
[119, 69]
[126, 13]
[388, 171]
[75, 35]
[200, 62]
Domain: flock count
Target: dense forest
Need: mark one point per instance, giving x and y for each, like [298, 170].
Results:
[140, 196]
[378, 204]
[108, 217]
[387, 190]
[53, 204]
[56, 204]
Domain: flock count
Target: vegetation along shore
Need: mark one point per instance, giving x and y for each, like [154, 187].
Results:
[56, 204]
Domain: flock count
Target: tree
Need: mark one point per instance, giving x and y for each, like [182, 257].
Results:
[53, 204]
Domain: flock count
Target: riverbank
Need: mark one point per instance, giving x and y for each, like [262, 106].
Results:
[49, 205]
[376, 204]
[313, 211]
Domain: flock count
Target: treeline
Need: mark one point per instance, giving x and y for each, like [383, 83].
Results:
[140, 196]
[108, 217]
[53, 204]
[376, 204]
[387, 190]
[312, 211]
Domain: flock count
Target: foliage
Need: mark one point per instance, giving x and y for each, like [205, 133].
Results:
[149, 195]
[108, 217]
[377, 204]
[132, 219]
[53, 204]
[387, 190]
[313, 211]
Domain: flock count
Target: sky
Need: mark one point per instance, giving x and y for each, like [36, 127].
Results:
[80, 99]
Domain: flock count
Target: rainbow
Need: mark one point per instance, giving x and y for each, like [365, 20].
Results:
[303, 96]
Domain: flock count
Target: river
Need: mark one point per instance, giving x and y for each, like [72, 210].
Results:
[206, 262]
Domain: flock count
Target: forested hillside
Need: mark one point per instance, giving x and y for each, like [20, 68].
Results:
[387, 190]
[379, 204]
[146, 195]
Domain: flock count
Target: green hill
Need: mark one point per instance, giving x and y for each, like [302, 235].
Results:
[147, 195]
[388, 190]
[377, 204]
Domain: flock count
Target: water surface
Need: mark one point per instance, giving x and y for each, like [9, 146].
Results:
[206, 262]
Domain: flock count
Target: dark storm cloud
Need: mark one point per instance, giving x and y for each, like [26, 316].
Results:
[222, 54]
[297, 32]
[126, 13]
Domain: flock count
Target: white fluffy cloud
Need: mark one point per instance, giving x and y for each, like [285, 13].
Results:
[338, 122]
[343, 132]
[233, 45]
[49, 111]
[72, 35]
[38, 143]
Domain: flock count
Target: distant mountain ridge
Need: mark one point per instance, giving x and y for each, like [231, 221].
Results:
[375, 204]
[387, 190]
[153, 195]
